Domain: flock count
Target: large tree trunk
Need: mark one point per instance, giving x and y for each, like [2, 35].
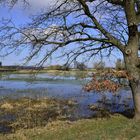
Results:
[131, 54]
[133, 70]
[135, 87]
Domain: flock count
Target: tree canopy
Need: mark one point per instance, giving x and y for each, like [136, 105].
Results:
[92, 26]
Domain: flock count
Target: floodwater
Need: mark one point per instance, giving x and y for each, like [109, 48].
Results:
[64, 87]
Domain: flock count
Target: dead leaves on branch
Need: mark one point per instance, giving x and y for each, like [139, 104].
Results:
[106, 80]
[102, 85]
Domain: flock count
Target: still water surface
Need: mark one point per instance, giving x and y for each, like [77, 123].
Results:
[63, 87]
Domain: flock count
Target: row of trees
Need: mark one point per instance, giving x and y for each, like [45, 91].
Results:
[80, 66]
[119, 65]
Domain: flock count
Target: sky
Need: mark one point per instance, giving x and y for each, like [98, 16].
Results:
[20, 16]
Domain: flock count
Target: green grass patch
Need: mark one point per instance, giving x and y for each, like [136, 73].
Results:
[114, 128]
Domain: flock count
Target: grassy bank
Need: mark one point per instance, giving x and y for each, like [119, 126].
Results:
[114, 128]
[59, 72]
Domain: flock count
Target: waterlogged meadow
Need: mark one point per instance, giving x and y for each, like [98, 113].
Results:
[28, 101]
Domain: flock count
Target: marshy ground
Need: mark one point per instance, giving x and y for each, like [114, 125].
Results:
[29, 113]
[54, 107]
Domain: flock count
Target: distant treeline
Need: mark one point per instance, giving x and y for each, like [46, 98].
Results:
[21, 67]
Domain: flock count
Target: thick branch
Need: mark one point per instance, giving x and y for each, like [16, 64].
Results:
[116, 2]
[111, 38]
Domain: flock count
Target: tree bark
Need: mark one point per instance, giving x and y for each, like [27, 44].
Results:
[135, 87]
[131, 54]
[131, 61]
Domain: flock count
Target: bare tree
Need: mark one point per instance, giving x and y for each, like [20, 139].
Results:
[79, 65]
[92, 26]
[99, 65]
[120, 65]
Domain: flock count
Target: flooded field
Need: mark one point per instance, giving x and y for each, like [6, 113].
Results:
[60, 87]
[66, 88]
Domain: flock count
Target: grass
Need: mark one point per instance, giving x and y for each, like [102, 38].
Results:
[51, 72]
[30, 113]
[115, 128]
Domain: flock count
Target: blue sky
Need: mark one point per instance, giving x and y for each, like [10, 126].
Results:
[20, 16]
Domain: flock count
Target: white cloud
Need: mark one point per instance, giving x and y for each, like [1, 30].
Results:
[34, 6]
[39, 4]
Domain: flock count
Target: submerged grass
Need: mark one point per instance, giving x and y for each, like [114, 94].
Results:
[29, 113]
[114, 128]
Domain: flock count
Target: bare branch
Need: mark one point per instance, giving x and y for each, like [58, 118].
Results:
[116, 2]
